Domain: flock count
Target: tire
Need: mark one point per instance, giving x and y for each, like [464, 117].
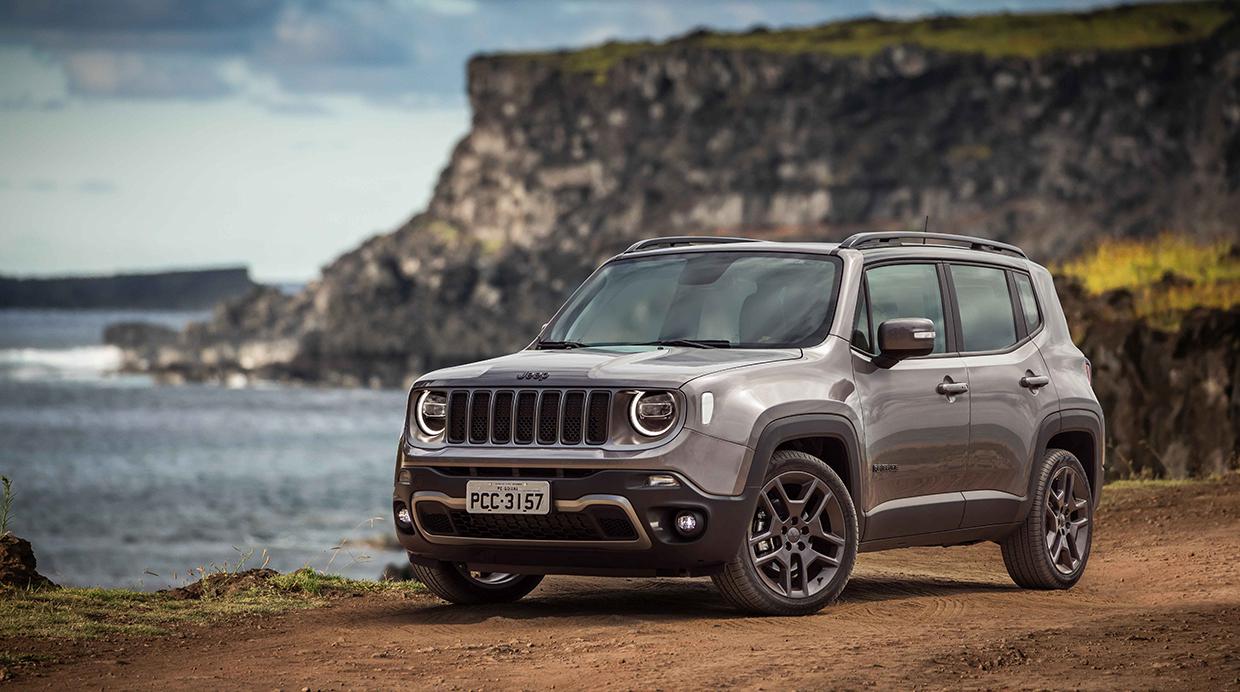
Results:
[796, 576]
[456, 584]
[1051, 548]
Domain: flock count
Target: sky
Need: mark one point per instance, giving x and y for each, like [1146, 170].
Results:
[154, 134]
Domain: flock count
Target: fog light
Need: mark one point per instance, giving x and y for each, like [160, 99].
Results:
[404, 519]
[689, 523]
[662, 480]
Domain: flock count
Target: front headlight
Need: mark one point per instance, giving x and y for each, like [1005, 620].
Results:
[652, 413]
[431, 413]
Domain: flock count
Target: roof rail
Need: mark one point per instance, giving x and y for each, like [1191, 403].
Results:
[860, 240]
[677, 240]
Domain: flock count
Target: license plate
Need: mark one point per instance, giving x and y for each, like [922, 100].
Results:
[508, 497]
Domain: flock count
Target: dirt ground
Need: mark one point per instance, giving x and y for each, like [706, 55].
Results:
[1159, 608]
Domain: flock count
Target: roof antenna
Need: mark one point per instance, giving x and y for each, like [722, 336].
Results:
[925, 228]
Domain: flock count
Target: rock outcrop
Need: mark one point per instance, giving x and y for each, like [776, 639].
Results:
[1172, 399]
[18, 566]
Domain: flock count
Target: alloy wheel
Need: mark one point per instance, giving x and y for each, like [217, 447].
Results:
[797, 535]
[1067, 520]
[486, 579]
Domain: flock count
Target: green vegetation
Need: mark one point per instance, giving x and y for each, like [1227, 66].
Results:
[75, 613]
[998, 35]
[6, 503]
[1168, 276]
[1128, 484]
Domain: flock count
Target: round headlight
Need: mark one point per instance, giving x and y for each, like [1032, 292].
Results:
[431, 412]
[652, 413]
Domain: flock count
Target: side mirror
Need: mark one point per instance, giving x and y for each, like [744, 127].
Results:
[906, 337]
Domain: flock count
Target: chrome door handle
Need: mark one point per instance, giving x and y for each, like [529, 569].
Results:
[1034, 381]
[952, 388]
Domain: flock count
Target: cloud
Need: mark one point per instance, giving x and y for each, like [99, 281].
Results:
[449, 7]
[396, 52]
[111, 74]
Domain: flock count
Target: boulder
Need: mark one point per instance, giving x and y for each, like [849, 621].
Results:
[17, 565]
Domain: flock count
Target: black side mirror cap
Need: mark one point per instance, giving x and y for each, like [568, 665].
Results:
[906, 337]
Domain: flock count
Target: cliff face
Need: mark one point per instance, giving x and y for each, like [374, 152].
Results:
[565, 166]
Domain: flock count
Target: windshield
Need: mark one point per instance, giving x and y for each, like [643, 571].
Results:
[732, 299]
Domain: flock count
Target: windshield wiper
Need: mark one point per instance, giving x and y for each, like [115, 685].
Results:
[548, 345]
[693, 343]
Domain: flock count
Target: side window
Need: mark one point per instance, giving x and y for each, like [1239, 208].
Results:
[986, 318]
[908, 290]
[861, 323]
[1028, 301]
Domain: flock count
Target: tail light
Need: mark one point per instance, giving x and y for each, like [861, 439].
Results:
[1089, 372]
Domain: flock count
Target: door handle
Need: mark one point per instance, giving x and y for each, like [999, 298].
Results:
[952, 388]
[1034, 381]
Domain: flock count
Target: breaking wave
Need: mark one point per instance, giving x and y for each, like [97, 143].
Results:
[76, 362]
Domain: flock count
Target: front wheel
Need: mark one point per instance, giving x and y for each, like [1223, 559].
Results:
[457, 583]
[801, 542]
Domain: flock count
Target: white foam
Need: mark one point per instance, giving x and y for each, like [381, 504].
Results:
[80, 361]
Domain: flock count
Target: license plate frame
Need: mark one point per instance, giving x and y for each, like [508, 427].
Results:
[508, 497]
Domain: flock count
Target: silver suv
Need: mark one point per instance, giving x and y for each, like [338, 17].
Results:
[760, 412]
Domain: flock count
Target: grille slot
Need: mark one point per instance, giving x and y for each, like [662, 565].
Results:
[526, 403]
[574, 412]
[547, 417]
[598, 523]
[458, 416]
[501, 426]
[597, 417]
[480, 418]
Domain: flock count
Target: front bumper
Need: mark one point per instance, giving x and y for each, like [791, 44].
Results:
[585, 534]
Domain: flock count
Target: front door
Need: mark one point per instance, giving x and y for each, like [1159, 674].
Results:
[915, 411]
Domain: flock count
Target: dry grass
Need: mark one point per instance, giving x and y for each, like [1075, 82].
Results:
[78, 613]
[1168, 275]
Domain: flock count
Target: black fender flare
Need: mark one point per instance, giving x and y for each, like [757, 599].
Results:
[1084, 420]
[1070, 420]
[797, 426]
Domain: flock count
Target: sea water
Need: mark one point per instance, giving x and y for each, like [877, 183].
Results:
[120, 481]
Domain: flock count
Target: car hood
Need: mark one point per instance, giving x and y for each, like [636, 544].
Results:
[602, 367]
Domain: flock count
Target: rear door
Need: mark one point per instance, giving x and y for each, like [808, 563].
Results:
[916, 436]
[1009, 388]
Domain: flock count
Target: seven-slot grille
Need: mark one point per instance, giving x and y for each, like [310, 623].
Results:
[548, 417]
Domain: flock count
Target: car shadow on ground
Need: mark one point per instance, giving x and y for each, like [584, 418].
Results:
[667, 600]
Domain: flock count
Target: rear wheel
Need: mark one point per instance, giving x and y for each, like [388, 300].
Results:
[801, 542]
[1050, 549]
[457, 583]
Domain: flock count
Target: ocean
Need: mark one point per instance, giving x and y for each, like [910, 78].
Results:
[120, 481]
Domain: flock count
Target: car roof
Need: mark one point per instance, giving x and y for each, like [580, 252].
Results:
[883, 252]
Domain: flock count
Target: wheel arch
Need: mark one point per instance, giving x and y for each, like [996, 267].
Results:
[826, 436]
[1078, 431]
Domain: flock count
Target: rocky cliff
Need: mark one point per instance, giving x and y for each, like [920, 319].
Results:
[810, 134]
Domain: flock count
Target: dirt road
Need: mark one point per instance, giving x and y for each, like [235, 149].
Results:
[1158, 608]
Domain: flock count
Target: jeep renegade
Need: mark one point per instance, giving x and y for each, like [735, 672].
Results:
[760, 412]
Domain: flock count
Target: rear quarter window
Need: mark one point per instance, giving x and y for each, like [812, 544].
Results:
[1028, 302]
